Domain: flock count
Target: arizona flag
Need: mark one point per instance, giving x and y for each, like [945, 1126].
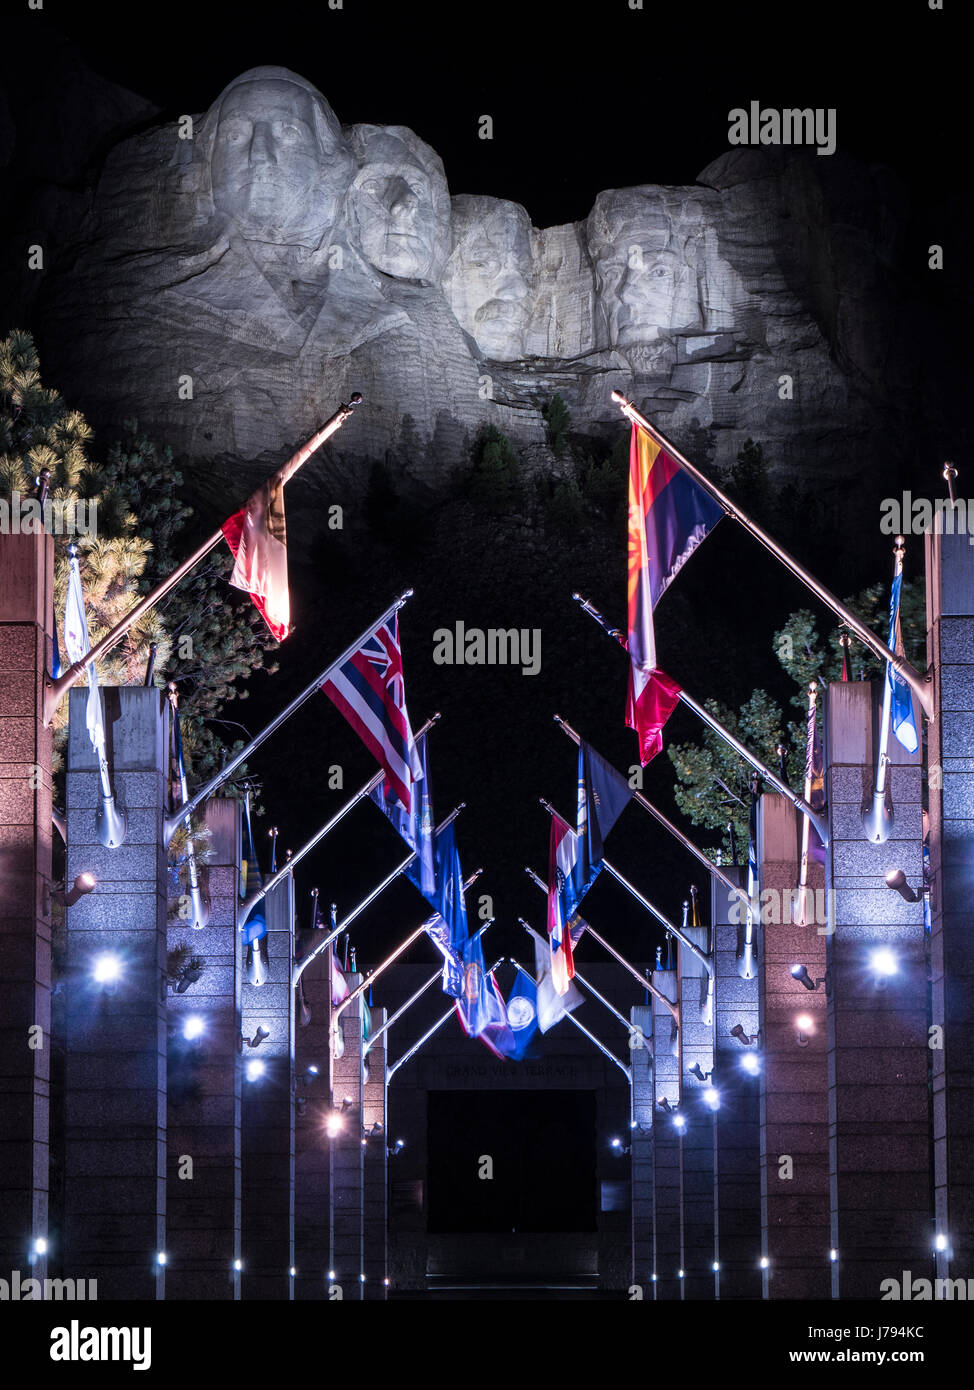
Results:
[370, 693]
[669, 515]
[257, 537]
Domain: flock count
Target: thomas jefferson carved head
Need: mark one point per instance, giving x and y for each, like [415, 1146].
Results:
[399, 203]
[279, 165]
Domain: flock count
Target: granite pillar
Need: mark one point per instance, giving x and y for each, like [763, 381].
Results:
[667, 1145]
[698, 1136]
[643, 1105]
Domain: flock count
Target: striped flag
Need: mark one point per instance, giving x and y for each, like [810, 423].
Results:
[669, 516]
[370, 693]
[78, 645]
[257, 537]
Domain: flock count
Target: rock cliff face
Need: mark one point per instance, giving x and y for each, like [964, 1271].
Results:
[228, 283]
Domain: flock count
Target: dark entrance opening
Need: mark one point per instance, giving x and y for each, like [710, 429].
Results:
[542, 1150]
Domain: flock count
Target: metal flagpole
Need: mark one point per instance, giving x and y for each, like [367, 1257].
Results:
[654, 911]
[797, 801]
[877, 819]
[362, 792]
[647, 805]
[391, 1071]
[171, 822]
[200, 914]
[643, 982]
[803, 916]
[305, 961]
[920, 685]
[55, 690]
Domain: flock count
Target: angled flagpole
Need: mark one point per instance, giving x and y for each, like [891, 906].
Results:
[302, 965]
[55, 690]
[171, 822]
[319, 835]
[677, 834]
[877, 819]
[797, 801]
[391, 1071]
[701, 956]
[607, 1052]
[921, 686]
[644, 983]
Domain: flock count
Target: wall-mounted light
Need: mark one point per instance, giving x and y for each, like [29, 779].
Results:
[292, 1272]
[334, 1124]
[896, 879]
[940, 1242]
[882, 962]
[743, 1038]
[664, 1104]
[712, 1097]
[258, 1037]
[161, 1257]
[701, 1075]
[764, 1262]
[716, 1266]
[679, 1122]
[193, 1027]
[397, 1148]
[805, 1025]
[800, 973]
[255, 1069]
[751, 1063]
[83, 884]
[238, 1265]
[106, 969]
[833, 1255]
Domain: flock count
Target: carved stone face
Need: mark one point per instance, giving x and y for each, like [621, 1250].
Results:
[489, 280]
[645, 282]
[279, 166]
[399, 203]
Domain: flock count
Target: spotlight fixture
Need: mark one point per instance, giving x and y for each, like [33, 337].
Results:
[397, 1148]
[106, 969]
[696, 1071]
[255, 1069]
[896, 879]
[940, 1242]
[664, 1104]
[800, 973]
[331, 1275]
[882, 962]
[300, 1104]
[334, 1124]
[679, 1273]
[712, 1097]
[743, 1038]
[806, 1027]
[347, 1103]
[680, 1122]
[716, 1266]
[312, 1070]
[750, 1063]
[161, 1257]
[764, 1262]
[258, 1037]
[833, 1255]
[193, 1027]
[83, 884]
[238, 1265]
[292, 1272]
[40, 1246]
[376, 1130]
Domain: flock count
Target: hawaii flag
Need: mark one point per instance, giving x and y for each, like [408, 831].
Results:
[669, 515]
[257, 537]
[370, 692]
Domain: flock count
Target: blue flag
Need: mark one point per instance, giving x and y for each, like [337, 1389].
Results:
[903, 720]
[415, 826]
[602, 797]
[522, 1014]
[447, 895]
[479, 1005]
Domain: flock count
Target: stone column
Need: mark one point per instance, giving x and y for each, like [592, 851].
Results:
[950, 649]
[115, 1075]
[26, 608]
[698, 1136]
[737, 1186]
[667, 1145]
[312, 1227]
[643, 1105]
[794, 1075]
[378, 1142]
[348, 1155]
[267, 1113]
[203, 1196]
[879, 1167]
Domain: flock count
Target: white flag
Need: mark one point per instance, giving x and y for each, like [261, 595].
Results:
[552, 1006]
[78, 644]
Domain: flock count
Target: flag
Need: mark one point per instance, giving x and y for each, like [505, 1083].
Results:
[562, 897]
[669, 515]
[552, 1006]
[447, 898]
[255, 926]
[522, 1014]
[55, 650]
[369, 691]
[415, 826]
[498, 1035]
[814, 781]
[479, 1007]
[257, 538]
[602, 796]
[903, 718]
[753, 877]
[339, 985]
[78, 645]
[439, 933]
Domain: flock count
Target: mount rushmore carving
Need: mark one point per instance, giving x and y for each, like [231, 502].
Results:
[227, 289]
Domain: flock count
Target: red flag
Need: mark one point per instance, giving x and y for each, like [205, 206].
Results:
[256, 536]
[652, 699]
